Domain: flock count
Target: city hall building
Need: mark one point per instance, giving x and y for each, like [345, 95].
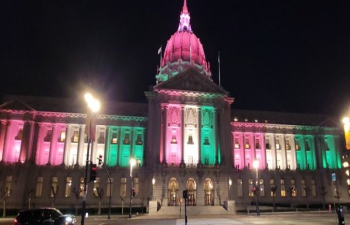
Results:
[186, 137]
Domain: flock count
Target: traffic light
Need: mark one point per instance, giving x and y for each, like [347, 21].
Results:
[254, 190]
[100, 160]
[184, 194]
[133, 192]
[93, 172]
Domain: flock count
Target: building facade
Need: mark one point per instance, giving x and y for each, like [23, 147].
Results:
[186, 137]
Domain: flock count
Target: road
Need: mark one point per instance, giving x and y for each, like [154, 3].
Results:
[268, 219]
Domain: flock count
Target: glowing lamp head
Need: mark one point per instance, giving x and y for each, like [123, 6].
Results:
[132, 162]
[153, 181]
[256, 164]
[93, 103]
[230, 182]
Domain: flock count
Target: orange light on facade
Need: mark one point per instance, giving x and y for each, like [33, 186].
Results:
[346, 122]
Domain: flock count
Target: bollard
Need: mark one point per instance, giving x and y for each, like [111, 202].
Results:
[340, 213]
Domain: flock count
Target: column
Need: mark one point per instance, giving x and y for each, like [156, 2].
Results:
[283, 152]
[273, 151]
[2, 138]
[40, 139]
[31, 141]
[80, 151]
[132, 140]
[67, 141]
[216, 136]
[165, 111]
[183, 134]
[52, 145]
[25, 142]
[200, 136]
[293, 153]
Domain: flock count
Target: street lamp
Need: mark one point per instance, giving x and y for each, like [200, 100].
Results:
[93, 106]
[153, 182]
[132, 163]
[346, 122]
[256, 166]
[229, 188]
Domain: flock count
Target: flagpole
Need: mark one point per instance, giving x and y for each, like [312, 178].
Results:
[219, 69]
[160, 56]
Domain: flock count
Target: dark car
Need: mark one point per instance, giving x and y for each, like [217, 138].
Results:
[43, 216]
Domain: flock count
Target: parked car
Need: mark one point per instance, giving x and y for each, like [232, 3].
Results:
[43, 216]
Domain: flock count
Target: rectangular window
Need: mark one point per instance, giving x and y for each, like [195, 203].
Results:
[240, 187]
[68, 187]
[19, 135]
[136, 186]
[139, 140]
[54, 184]
[272, 187]
[283, 188]
[96, 186]
[261, 187]
[62, 136]
[247, 145]
[292, 188]
[39, 186]
[109, 188]
[287, 145]
[267, 144]
[236, 143]
[8, 185]
[114, 139]
[313, 188]
[81, 187]
[101, 138]
[307, 146]
[126, 139]
[257, 144]
[297, 146]
[123, 187]
[303, 191]
[48, 136]
[75, 137]
[278, 146]
[250, 182]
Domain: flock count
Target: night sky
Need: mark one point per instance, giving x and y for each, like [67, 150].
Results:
[276, 55]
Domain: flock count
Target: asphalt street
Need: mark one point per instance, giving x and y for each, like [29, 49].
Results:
[295, 218]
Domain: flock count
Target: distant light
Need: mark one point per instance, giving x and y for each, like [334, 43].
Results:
[256, 164]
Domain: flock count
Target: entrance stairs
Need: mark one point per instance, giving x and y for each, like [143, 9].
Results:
[193, 210]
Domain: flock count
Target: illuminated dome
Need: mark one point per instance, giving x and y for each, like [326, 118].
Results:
[183, 50]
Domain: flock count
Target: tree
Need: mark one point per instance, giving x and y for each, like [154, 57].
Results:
[337, 196]
[76, 193]
[273, 189]
[307, 191]
[99, 194]
[122, 197]
[30, 198]
[323, 193]
[5, 193]
[291, 192]
[54, 194]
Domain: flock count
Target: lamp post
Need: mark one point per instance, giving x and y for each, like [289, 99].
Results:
[93, 105]
[346, 122]
[132, 163]
[229, 188]
[256, 166]
[153, 182]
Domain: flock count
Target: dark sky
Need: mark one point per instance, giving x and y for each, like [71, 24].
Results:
[276, 55]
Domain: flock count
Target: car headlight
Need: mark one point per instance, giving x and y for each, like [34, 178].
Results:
[69, 219]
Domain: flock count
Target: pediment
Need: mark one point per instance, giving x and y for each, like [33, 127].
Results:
[16, 105]
[191, 80]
